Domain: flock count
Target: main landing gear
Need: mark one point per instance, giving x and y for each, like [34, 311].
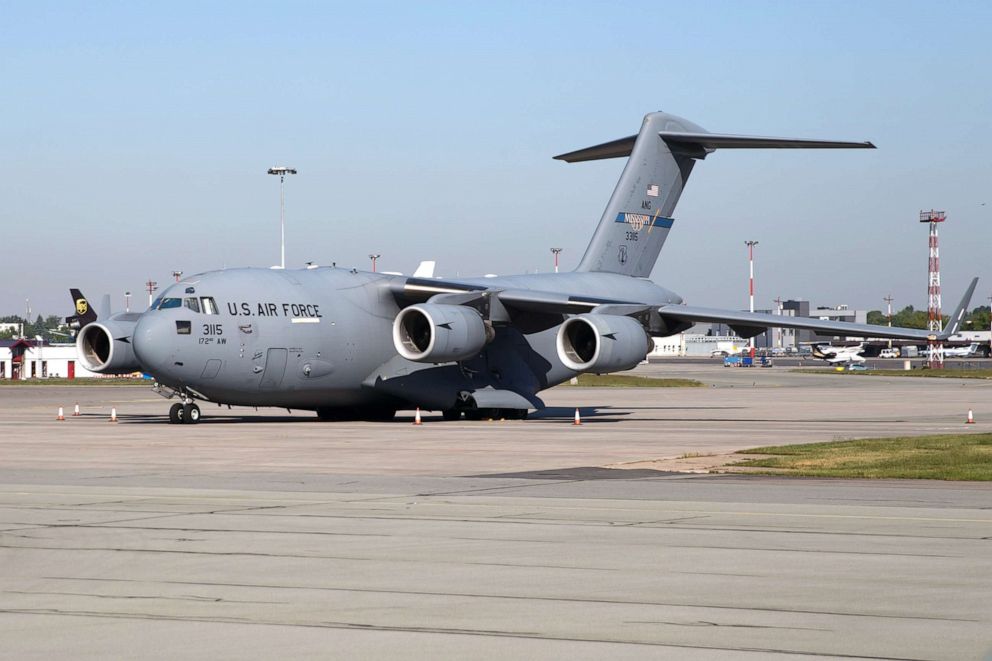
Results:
[187, 414]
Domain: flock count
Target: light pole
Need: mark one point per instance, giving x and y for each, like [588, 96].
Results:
[781, 332]
[177, 275]
[888, 300]
[127, 301]
[750, 262]
[282, 171]
[556, 251]
[374, 257]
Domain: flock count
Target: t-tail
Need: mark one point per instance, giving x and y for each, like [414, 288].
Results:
[641, 211]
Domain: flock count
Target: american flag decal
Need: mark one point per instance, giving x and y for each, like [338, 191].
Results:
[653, 190]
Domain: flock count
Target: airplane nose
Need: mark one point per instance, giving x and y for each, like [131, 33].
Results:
[154, 343]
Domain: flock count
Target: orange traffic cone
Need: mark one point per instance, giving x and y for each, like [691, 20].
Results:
[75, 410]
[578, 420]
[113, 414]
[971, 418]
[61, 417]
[416, 417]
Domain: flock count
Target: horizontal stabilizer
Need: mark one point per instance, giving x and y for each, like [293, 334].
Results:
[615, 149]
[711, 141]
[698, 145]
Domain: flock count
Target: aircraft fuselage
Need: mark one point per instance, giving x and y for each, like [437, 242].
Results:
[322, 337]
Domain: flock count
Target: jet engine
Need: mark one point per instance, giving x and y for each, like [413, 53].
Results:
[602, 343]
[105, 347]
[439, 333]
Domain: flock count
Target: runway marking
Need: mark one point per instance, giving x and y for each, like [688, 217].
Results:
[356, 626]
[541, 504]
[430, 593]
[344, 558]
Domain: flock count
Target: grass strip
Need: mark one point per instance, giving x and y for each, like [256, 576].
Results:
[942, 457]
[629, 381]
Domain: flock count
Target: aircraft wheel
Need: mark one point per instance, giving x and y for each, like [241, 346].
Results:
[473, 414]
[191, 414]
[176, 414]
[451, 414]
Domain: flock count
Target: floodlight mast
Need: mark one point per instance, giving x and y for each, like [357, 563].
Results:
[282, 171]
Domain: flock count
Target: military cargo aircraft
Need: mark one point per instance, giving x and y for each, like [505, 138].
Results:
[352, 344]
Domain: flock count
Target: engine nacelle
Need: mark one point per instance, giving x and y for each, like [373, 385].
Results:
[602, 343]
[439, 333]
[105, 347]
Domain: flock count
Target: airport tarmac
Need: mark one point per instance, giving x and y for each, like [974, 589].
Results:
[270, 534]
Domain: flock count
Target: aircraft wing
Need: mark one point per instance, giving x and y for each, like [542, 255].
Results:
[749, 324]
[745, 324]
[422, 289]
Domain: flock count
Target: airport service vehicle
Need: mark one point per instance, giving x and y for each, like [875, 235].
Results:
[724, 349]
[889, 353]
[352, 344]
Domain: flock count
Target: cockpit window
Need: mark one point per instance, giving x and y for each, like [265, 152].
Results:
[208, 305]
[192, 303]
[168, 303]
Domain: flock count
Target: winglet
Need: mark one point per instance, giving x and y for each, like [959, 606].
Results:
[425, 269]
[955, 319]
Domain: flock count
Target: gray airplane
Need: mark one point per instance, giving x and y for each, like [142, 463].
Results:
[350, 344]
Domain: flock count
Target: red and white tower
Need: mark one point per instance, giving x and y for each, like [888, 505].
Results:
[150, 287]
[935, 321]
[750, 283]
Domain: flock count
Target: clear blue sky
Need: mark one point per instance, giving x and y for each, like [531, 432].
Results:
[135, 139]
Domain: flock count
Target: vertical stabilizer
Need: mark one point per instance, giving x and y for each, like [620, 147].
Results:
[639, 215]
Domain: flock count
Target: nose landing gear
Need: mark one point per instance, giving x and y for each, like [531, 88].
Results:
[188, 414]
[185, 412]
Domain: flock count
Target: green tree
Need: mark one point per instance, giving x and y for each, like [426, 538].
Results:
[979, 318]
[877, 317]
[910, 318]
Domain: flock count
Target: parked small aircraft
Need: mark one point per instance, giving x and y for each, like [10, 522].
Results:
[838, 355]
[961, 352]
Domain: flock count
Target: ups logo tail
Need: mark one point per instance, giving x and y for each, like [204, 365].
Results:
[84, 311]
